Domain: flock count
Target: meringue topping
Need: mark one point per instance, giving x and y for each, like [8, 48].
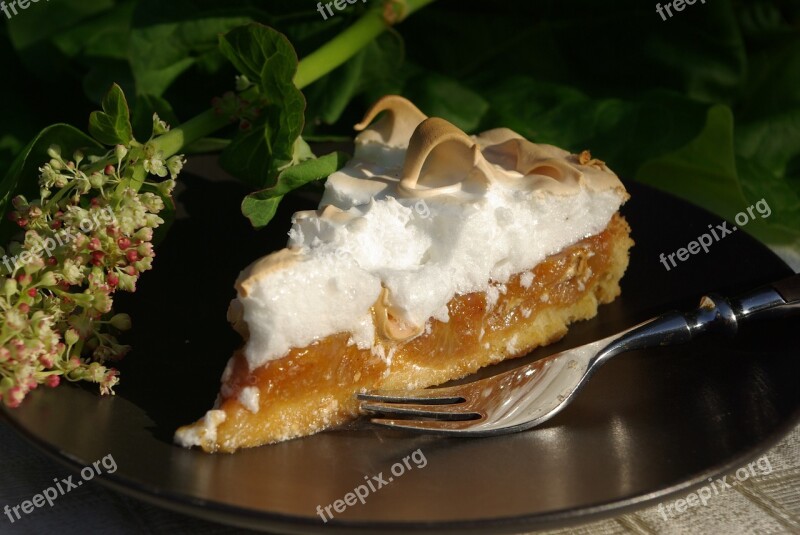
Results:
[421, 213]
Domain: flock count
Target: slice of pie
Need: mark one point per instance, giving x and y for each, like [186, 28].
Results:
[432, 254]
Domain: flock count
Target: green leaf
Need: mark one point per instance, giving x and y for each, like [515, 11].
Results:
[102, 34]
[307, 171]
[623, 132]
[704, 171]
[267, 58]
[168, 38]
[94, 47]
[32, 33]
[260, 207]
[112, 126]
[768, 116]
[441, 96]
[773, 82]
[251, 47]
[772, 140]
[782, 225]
[329, 96]
[375, 71]
[605, 48]
[260, 211]
[23, 176]
[40, 22]
[249, 155]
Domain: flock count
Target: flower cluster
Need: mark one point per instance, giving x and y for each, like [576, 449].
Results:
[89, 234]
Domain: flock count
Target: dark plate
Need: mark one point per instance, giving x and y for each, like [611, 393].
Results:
[648, 425]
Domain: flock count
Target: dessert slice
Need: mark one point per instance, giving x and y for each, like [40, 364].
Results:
[432, 254]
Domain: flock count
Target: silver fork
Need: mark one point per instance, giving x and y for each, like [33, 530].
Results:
[529, 395]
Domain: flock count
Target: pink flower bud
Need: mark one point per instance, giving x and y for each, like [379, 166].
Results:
[14, 397]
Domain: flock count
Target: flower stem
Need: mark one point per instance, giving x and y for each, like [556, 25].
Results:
[196, 128]
[345, 45]
[310, 69]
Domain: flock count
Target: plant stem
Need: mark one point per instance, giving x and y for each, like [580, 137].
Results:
[206, 144]
[345, 45]
[196, 128]
[311, 68]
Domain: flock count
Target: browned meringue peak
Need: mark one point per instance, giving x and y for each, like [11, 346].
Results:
[546, 167]
[329, 212]
[263, 267]
[442, 159]
[509, 150]
[395, 127]
[235, 317]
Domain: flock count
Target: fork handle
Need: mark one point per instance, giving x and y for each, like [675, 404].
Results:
[715, 313]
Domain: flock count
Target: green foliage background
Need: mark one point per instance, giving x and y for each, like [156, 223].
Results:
[705, 105]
